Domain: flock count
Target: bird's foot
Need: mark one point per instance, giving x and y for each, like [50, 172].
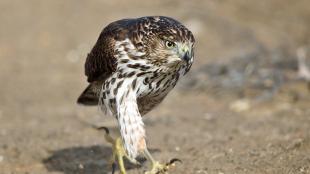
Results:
[118, 152]
[158, 168]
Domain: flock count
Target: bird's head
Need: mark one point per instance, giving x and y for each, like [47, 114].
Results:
[169, 50]
[167, 42]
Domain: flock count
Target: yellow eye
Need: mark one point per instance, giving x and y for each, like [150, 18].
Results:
[170, 44]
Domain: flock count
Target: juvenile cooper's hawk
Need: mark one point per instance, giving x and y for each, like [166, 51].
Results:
[131, 69]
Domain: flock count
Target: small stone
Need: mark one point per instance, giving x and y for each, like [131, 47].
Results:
[240, 105]
[1, 158]
[81, 166]
[177, 149]
[201, 171]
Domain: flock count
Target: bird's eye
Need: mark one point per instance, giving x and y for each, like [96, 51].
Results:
[170, 44]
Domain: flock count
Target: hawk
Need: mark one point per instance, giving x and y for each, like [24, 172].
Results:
[131, 69]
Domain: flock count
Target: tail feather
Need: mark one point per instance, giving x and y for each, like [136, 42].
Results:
[90, 96]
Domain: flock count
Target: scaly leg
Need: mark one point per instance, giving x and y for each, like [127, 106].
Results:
[158, 168]
[118, 152]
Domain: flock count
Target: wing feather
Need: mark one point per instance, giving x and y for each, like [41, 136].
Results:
[101, 62]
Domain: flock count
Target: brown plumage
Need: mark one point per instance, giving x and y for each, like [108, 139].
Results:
[132, 67]
[101, 61]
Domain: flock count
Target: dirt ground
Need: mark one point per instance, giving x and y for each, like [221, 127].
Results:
[220, 119]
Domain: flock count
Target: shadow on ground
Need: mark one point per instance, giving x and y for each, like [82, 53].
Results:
[73, 160]
[86, 160]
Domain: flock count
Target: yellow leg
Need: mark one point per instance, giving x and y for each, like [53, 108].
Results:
[118, 152]
[158, 168]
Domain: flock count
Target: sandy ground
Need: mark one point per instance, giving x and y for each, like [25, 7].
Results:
[214, 125]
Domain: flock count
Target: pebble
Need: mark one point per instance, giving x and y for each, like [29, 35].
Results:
[1, 158]
[81, 166]
[201, 172]
[240, 105]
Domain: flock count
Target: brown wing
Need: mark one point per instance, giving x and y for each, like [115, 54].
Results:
[100, 62]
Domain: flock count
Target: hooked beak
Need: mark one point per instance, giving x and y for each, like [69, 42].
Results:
[186, 56]
[185, 53]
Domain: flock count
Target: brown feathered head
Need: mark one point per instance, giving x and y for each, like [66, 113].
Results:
[163, 40]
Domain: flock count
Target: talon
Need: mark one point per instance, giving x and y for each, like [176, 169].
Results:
[172, 161]
[107, 131]
[134, 161]
[158, 168]
[118, 152]
[113, 168]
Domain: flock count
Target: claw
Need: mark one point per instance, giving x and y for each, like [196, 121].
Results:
[107, 131]
[118, 152]
[172, 161]
[158, 168]
[133, 161]
[113, 168]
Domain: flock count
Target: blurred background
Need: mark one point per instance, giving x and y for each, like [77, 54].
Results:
[244, 107]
